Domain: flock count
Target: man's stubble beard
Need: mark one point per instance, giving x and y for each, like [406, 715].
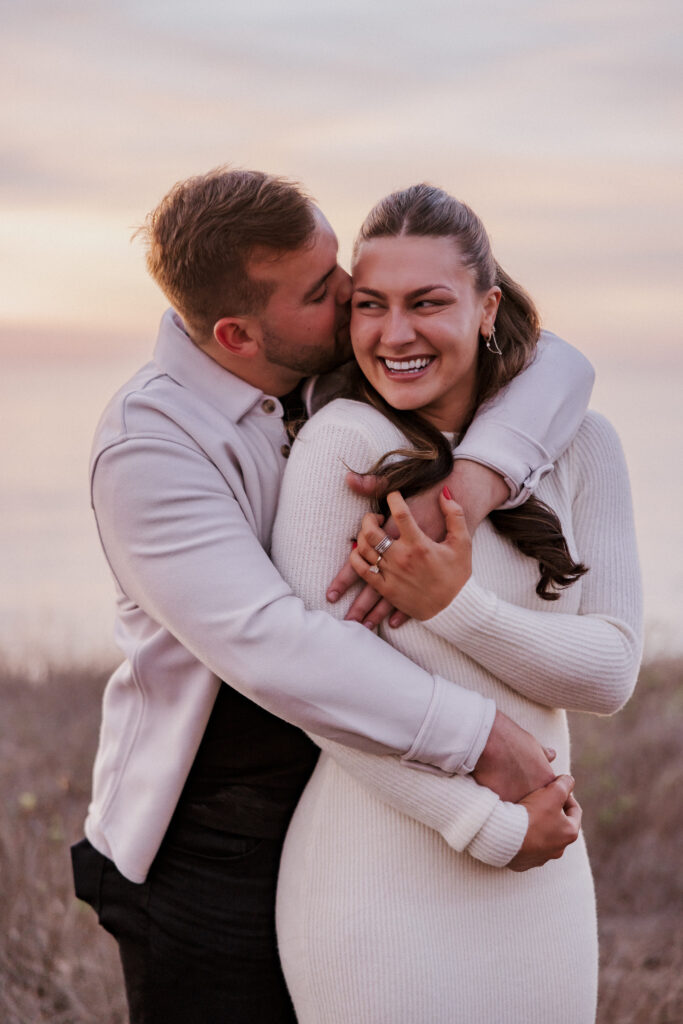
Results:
[308, 361]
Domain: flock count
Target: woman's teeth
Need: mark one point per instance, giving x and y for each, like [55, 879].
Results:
[399, 365]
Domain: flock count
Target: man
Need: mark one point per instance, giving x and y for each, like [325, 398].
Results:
[194, 781]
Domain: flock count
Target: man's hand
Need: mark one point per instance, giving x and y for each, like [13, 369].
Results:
[369, 608]
[554, 823]
[476, 488]
[513, 764]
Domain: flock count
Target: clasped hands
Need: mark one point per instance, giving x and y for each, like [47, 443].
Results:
[417, 575]
[478, 489]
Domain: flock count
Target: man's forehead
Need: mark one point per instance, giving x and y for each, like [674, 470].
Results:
[313, 259]
[322, 221]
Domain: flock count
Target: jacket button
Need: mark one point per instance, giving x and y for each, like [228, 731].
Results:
[268, 405]
[285, 450]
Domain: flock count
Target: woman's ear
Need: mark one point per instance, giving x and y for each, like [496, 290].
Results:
[490, 306]
[238, 335]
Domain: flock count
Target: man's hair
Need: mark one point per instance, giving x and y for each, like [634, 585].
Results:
[202, 234]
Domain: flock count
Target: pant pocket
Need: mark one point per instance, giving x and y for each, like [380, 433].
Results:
[87, 865]
[120, 905]
[201, 842]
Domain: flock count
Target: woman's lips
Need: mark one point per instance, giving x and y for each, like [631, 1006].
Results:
[406, 369]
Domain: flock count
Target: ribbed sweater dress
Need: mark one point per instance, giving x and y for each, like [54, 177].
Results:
[394, 905]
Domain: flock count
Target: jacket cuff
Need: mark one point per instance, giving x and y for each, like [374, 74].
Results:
[454, 731]
[518, 458]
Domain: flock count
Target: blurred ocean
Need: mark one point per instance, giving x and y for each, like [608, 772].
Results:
[56, 599]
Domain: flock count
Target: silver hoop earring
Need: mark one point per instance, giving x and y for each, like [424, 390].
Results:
[492, 344]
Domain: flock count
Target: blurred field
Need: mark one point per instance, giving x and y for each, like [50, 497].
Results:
[57, 966]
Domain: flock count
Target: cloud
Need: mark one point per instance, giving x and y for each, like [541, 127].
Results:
[555, 121]
[148, 83]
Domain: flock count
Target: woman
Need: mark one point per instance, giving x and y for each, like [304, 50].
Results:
[394, 902]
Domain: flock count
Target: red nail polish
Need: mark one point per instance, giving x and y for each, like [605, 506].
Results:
[354, 545]
[447, 494]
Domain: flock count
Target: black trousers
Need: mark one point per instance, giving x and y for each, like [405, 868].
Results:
[197, 939]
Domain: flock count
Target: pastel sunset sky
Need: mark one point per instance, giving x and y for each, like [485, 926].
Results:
[559, 124]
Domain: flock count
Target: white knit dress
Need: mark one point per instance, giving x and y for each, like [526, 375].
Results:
[394, 905]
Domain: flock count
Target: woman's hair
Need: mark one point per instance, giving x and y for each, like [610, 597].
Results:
[534, 528]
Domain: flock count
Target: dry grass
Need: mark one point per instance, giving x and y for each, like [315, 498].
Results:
[57, 966]
[628, 771]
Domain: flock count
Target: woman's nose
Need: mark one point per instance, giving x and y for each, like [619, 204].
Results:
[398, 329]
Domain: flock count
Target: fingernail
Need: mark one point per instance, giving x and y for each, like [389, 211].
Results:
[447, 494]
[354, 545]
[332, 596]
[394, 622]
[369, 625]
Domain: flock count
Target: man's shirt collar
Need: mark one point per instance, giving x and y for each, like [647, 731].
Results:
[177, 355]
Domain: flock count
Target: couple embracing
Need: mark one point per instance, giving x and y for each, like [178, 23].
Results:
[433, 868]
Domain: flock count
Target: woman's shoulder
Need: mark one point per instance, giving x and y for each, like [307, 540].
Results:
[344, 435]
[596, 434]
[595, 453]
[345, 418]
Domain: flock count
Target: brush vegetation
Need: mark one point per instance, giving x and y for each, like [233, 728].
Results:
[58, 966]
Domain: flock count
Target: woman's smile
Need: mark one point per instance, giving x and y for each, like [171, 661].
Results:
[407, 368]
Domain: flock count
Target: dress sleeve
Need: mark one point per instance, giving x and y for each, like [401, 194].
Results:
[522, 431]
[318, 517]
[583, 662]
[470, 817]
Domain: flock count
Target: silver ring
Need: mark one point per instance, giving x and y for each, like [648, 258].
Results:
[384, 545]
[373, 568]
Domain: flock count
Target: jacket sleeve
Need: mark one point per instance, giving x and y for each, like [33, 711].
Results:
[526, 427]
[584, 662]
[180, 546]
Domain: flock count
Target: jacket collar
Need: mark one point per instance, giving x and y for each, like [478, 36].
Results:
[177, 355]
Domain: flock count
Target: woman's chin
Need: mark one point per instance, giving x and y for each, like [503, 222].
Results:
[400, 399]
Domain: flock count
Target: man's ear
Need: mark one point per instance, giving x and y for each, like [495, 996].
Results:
[238, 335]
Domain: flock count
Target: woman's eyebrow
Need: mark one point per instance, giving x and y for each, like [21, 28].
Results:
[410, 295]
[369, 291]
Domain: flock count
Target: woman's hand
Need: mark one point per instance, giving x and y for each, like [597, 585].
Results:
[416, 575]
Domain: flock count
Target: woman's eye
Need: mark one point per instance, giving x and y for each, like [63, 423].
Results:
[322, 296]
[366, 304]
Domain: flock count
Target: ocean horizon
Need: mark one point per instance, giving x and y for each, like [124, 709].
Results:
[57, 602]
